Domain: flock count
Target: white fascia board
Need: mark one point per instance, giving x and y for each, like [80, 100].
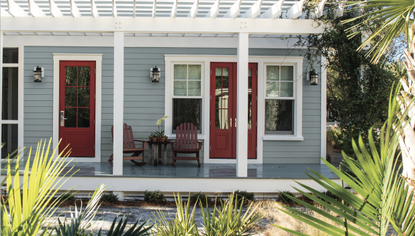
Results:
[54, 9]
[161, 25]
[94, 9]
[274, 11]
[15, 10]
[193, 10]
[214, 10]
[234, 11]
[295, 10]
[35, 10]
[254, 11]
[74, 9]
[174, 9]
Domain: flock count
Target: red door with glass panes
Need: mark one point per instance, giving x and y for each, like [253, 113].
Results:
[223, 104]
[77, 107]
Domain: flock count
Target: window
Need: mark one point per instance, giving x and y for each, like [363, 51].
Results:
[187, 95]
[279, 100]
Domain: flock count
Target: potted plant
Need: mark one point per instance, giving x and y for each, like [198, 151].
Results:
[153, 137]
[159, 134]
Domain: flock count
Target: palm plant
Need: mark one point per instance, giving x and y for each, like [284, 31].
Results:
[31, 204]
[135, 230]
[382, 197]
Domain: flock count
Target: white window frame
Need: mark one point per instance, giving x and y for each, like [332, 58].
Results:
[262, 61]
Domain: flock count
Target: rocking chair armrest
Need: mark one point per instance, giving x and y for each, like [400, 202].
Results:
[143, 141]
[200, 143]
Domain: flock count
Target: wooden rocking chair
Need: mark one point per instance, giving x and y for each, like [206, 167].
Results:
[186, 142]
[129, 146]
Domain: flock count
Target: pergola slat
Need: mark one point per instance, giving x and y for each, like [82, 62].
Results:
[114, 8]
[174, 9]
[193, 10]
[320, 8]
[295, 10]
[153, 13]
[94, 9]
[254, 11]
[234, 11]
[15, 10]
[74, 9]
[4, 13]
[54, 9]
[35, 10]
[214, 10]
[274, 11]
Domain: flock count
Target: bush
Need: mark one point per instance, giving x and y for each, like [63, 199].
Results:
[109, 197]
[245, 196]
[195, 197]
[155, 197]
[67, 196]
[283, 198]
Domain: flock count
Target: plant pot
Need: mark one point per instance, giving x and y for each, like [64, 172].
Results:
[163, 140]
[153, 140]
[150, 138]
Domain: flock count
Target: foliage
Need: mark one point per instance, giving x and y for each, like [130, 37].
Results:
[30, 204]
[382, 197]
[135, 230]
[159, 133]
[201, 197]
[228, 219]
[283, 197]
[245, 196]
[109, 197]
[183, 223]
[67, 196]
[334, 137]
[80, 220]
[155, 197]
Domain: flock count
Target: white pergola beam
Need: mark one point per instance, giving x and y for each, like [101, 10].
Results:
[295, 10]
[4, 13]
[94, 9]
[54, 9]
[193, 10]
[35, 10]
[74, 9]
[153, 12]
[15, 10]
[274, 11]
[160, 25]
[214, 10]
[234, 10]
[114, 8]
[174, 9]
[254, 11]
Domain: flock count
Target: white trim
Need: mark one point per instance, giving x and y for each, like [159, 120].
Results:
[20, 106]
[323, 108]
[118, 103]
[1, 85]
[104, 41]
[261, 60]
[57, 57]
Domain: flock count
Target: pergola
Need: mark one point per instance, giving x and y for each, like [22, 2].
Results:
[241, 19]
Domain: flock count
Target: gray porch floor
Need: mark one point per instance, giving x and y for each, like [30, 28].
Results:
[190, 170]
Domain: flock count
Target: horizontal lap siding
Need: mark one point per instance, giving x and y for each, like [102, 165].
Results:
[307, 151]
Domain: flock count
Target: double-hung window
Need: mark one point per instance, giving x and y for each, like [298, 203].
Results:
[280, 99]
[187, 95]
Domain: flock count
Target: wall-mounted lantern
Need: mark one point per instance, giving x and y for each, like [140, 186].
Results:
[155, 74]
[38, 74]
[313, 77]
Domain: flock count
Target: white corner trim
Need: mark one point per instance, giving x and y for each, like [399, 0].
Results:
[323, 82]
[57, 57]
[283, 137]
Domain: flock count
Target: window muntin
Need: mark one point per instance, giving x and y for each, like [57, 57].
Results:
[279, 99]
[187, 95]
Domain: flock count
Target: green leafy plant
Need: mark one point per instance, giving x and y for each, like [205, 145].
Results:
[198, 197]
[31, 204]
[135, 230]
[67, 196]
[109, 197]
[183, 223]
[245, 196]
[229, 219]
[283, 198]
[382, 197]
[154, 197]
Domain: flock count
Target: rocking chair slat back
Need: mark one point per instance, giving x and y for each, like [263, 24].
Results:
[186, 136]
[128, 137]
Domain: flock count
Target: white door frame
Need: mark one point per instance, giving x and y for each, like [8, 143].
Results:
[57, 57]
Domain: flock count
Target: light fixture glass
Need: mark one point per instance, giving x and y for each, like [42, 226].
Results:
[37, 74]
[313, 77]
[155, 74]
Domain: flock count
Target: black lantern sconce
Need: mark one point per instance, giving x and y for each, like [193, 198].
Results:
[155, 74]
[38, 74]
[313, 77]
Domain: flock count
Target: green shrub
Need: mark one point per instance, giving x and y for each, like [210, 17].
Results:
[155, 197]
[334, 137]
[67, 196]
[283, 198]
[245, 196]
[109, 197]
[195, 197]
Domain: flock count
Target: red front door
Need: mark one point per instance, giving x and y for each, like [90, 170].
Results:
[223, 110]
[77, 107]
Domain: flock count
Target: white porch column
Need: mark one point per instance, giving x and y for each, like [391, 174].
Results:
[242, 107]
[118, 109]
[323, 82]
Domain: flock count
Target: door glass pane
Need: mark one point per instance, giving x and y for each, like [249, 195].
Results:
[70, 115]
[84, 75]
[273, 73]
[70, 76]
[10, 55]
[225, 78]
[70, 97]
[83, 97]
[225, 98]
[287, 73]
[10, 93]
[218, 98]
[9, 139]
[180, 72]
[180, 88]
[218, 81]
[223, 119]
[83, 117]
[187, 110]
[287, 89]
[279, 116]
[250, 78]
[249, 108]
[273, 89]
[194, 88]
[195, 72]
